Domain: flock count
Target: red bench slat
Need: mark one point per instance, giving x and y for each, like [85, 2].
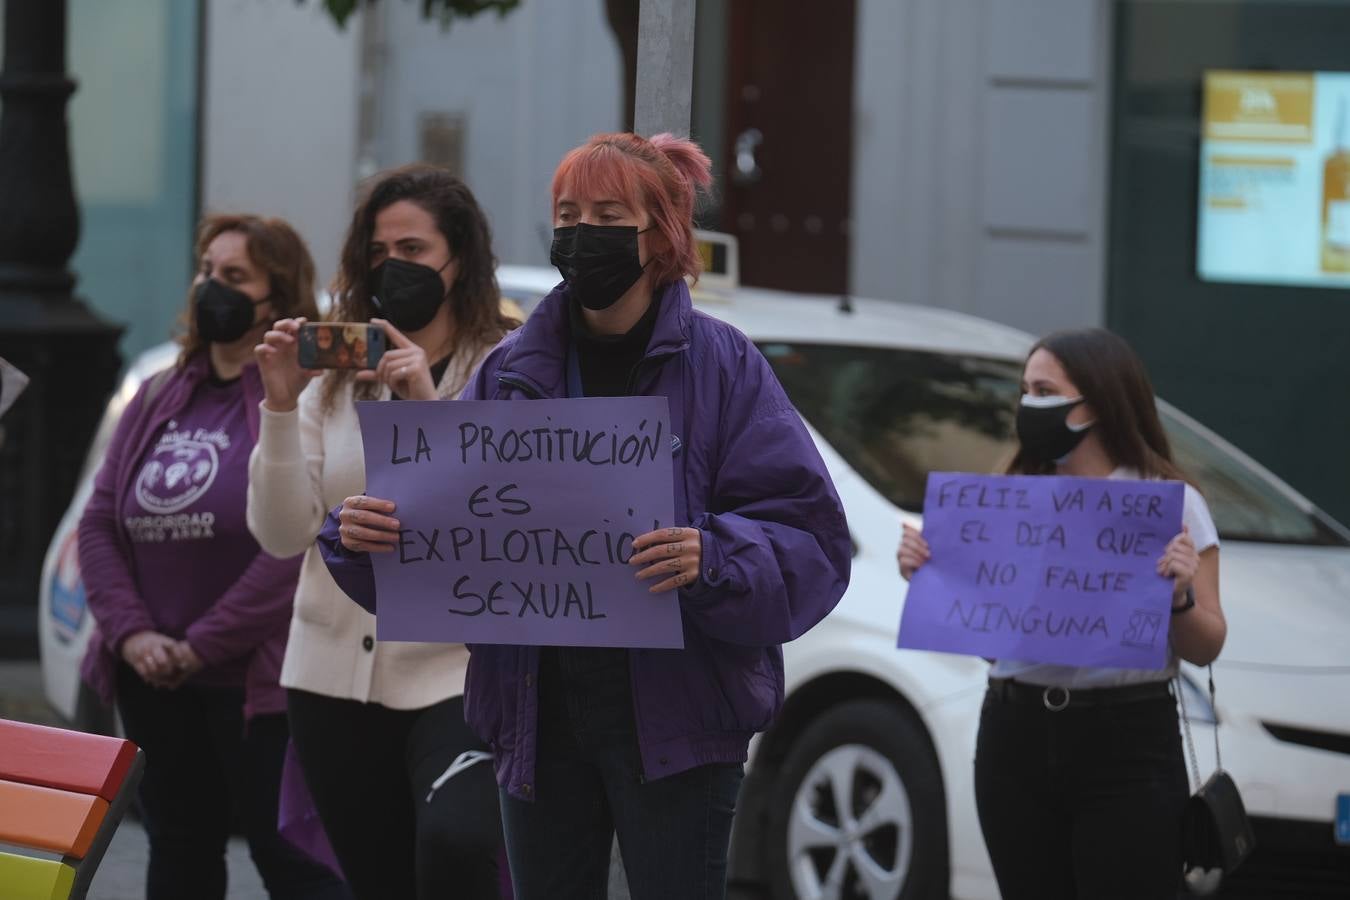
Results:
[65, 760]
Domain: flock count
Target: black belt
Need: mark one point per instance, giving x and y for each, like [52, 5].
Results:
[1058, 698]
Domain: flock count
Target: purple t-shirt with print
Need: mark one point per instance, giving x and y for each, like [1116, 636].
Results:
[184, 515]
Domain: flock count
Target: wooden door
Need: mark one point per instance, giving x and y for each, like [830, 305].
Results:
[789, 142]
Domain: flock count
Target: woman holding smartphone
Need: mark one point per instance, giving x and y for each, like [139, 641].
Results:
[191, 612]
[376, 725]
[648, 743]
[1079, 776]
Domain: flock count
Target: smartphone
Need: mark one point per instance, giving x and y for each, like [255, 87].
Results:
[341, 345]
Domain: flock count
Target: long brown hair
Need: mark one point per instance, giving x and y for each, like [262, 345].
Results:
[273, 246]
[474, 296]
[1112, 380]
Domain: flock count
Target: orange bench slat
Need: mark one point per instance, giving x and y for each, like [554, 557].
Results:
[44, 818]
[66, 760]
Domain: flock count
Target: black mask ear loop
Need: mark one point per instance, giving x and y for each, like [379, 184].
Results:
[650, 256]
[449, 290]
[256, 304]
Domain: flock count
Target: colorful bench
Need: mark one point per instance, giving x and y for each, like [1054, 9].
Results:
[62, 793]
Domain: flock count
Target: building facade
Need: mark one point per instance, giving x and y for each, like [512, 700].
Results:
[1036, 162]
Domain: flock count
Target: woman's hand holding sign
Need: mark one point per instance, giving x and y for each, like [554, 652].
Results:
[1180, 562]
[913, 552]
[368, 525]
[404, 367]
[676, 553]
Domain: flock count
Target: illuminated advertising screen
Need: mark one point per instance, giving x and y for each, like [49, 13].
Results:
[1275, 178]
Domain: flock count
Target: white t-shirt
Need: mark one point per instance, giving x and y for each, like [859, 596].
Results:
[1195, 515]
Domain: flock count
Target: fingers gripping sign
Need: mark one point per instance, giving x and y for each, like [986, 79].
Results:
[672, 555]
[1180, 561]
[913, 552]
[368, 524]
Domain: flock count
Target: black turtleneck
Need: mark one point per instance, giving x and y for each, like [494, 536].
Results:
[599, 674]
[608, 361]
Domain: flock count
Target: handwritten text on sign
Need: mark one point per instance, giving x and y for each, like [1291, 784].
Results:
[518, 520]
[1045, 569]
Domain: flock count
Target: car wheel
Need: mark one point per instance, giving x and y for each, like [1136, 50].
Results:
[858, 811]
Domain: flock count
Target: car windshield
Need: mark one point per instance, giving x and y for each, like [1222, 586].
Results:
[895, 415]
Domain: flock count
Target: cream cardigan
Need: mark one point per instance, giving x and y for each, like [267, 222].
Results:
[306, 462]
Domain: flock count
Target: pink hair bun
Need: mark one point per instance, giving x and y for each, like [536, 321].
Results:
[687, 157]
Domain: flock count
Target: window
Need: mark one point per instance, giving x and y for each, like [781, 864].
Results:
[1263, 364]
[1248, 504]
[896, 415]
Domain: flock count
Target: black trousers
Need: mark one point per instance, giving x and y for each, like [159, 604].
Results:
[370, 769]
[204, 771]
[673, 832]
[1084, 803]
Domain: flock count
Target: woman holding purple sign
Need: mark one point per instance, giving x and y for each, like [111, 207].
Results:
[1079, 776]
[646, 743]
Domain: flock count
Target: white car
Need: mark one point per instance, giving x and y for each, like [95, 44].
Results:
[863, 787]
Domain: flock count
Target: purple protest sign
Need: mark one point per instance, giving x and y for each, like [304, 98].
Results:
[1045, 569]
[518, 520]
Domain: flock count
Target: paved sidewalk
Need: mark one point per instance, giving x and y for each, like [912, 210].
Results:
[122, 873]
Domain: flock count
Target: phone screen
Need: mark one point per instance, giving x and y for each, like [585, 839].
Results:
[340, 345]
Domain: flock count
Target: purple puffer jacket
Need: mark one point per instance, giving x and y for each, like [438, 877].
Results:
[250, 619]
[776, 547]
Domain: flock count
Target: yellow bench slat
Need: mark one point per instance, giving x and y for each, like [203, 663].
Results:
[26, 878]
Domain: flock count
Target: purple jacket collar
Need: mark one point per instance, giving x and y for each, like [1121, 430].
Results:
[537, 361]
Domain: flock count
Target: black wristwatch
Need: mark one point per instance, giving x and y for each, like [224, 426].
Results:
[1190, 602]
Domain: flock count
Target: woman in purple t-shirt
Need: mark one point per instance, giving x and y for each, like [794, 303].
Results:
[192, 614]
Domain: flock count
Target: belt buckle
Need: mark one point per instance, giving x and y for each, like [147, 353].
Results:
[1051, 704]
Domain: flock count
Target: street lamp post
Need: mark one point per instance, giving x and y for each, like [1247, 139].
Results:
[69, 352]
[665, 67]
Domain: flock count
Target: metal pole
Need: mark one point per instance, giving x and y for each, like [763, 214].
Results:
[45, 330]
[665, 67]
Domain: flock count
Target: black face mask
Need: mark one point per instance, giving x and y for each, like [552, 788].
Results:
[224, 314]
[407, 294]
[1043, 428]
[598, 262]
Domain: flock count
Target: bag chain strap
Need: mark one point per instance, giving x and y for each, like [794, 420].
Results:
[1186, 726]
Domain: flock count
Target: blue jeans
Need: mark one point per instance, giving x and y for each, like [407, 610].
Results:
[673, 832]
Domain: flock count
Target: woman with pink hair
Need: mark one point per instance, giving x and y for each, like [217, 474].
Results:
[646, 743]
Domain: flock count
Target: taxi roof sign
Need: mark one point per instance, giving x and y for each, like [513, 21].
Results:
[721, 261]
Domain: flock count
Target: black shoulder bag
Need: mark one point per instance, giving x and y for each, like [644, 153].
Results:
[1216, 835]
